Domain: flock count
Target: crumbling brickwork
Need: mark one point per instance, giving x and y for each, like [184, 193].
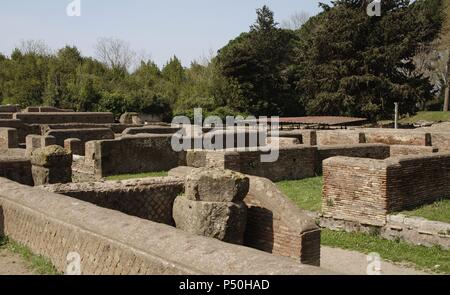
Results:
[366, 190]
[150, 198]
[110, 242]
[84, 135]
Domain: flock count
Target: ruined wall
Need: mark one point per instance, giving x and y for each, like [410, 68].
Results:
[274, 223]
[306, 137]
[8, 139]
[372, 151]
[65, 117]
[150, 198]
[151, 130]
[292, 163]
[404, 150]
[110, 242]
[16, 169]
[339, 137]
[366, 190]
[22, 129]
[132, 154]
[84, 135]
[397, 137]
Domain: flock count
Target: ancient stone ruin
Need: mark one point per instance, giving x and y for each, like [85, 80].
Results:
[218, 211]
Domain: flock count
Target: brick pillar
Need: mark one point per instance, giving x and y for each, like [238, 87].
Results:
[8, 138]
[213, 205]
[74, 146]
[51, 164]
[34, 142]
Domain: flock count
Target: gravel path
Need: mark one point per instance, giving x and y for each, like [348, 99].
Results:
[355, 263]
[12, 264]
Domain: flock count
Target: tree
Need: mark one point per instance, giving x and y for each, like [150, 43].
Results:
[255, 66]
[348, 63]
[115, 53]
[37, 47]
[296, 21]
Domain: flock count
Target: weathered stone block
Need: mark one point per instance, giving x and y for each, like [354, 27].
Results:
[74, 146]
[51, 156]
[222, 221]
[51, 164]
[34, 142]
[8, 138]
[216, 185]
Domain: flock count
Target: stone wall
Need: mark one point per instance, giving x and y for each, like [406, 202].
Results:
[397, 137]
[149, 198]
[22, 129]
[340, 137]
[46, 110]
[274, 223]
[84, 135]
[110, 242]
[306, 137]
[372, 151]
[292, 163]
[151, 130]
[65, 117]
[8, 139]
[9, 108]
[17, 169]
[132, 154]
[404, 150]
[367, 190]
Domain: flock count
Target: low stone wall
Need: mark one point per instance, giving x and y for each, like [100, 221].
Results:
[17, 169]
[148, 198]
[151, 130]
[9, 108]
[132, 154]
[110, 242]
[84, 135]
[8, 139]
[366, 190]
[397, 137]
[306, 137]
[340, 137]
[404, 150]
[22, 129]
[372, 151]
[274, 223]
[293, 162]
[116, 127]
[441, 140]
[66, 117]
[47, 110]
[6, 116]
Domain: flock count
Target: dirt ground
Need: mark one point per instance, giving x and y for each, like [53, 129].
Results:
[12, 264]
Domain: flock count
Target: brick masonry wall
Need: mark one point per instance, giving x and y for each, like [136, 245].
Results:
[110, 242]
[397, 137]
[150, 198]
[441, 140]
[365, 190]
[277, 226]
[151, 130]
[16, 169]
[372, 151]
[22, 129]
[339, 137]
[293, 162]
[8, 138]
[133, 154]
[84, 135]
[404, 150]
[65, 117]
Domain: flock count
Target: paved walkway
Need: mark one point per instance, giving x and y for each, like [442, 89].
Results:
[355, 263]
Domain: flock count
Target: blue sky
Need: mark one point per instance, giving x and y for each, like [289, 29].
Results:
[161, 29]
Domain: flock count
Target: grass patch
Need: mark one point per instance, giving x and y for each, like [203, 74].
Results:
[306, 193]
[138, 175]
[428, 116]
[36, 263]
[437, 211]
[434, 259]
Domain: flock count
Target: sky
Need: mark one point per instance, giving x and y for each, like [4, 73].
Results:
[189, 29]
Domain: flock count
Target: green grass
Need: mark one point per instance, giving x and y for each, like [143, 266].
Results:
[306, 193]
[432, 259]
[36, 263]
[138, 175]
[428, 116]
[437, 211]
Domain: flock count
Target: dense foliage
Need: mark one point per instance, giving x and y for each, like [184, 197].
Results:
[340, 62]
